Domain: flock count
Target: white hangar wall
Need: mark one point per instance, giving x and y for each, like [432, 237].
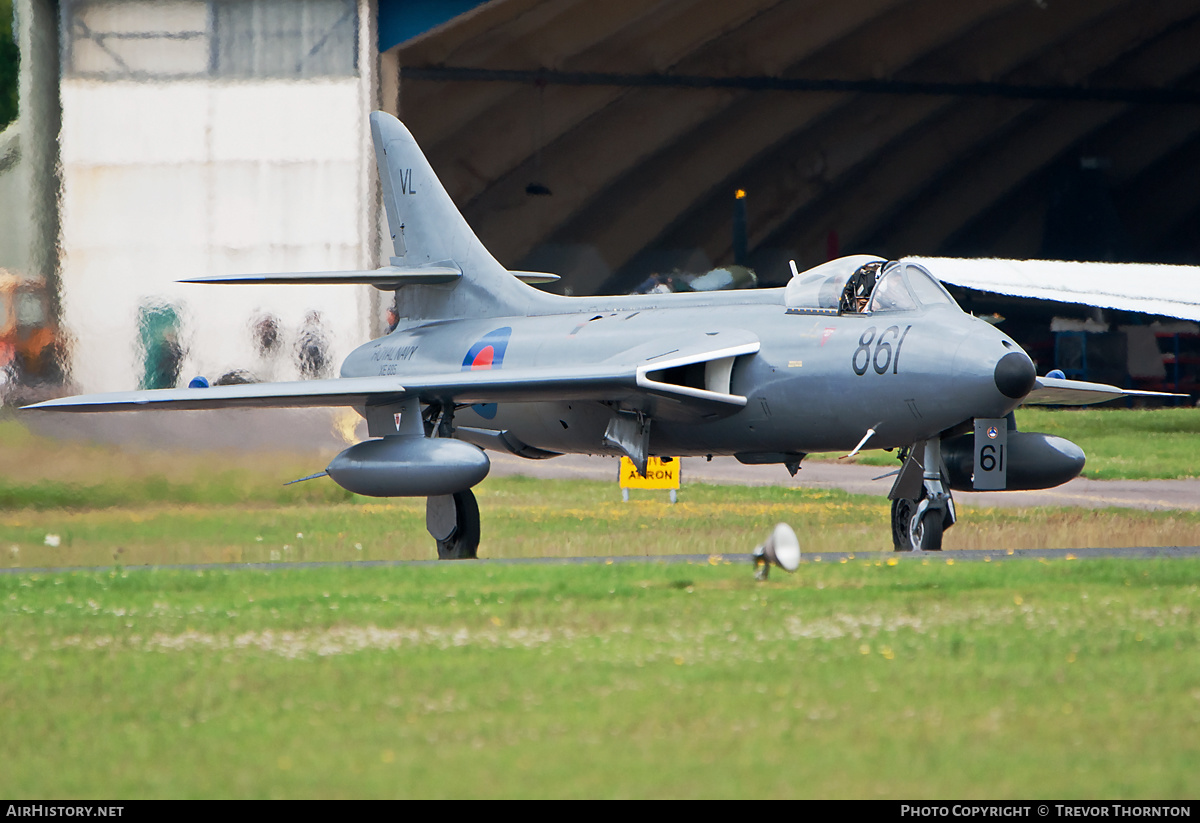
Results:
[211, 138]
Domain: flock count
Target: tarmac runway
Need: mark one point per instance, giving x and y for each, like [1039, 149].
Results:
[1095, 494]
[329, 432]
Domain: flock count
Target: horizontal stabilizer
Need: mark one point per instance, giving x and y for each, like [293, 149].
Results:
[1054, 391]
[388, 278]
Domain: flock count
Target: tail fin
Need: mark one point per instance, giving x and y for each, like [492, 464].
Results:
[428, 230]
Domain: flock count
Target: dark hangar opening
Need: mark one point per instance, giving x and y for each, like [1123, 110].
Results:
[1012, 128]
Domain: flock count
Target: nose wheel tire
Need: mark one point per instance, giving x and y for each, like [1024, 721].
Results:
[923, 535]
[927, 532]
[453, 521]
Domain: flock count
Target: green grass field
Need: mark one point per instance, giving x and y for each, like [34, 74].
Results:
[529, 518]
[875, 677]
[1120, 444]
[1013, 679]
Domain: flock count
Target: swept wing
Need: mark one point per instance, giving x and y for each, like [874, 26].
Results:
[649, 382]
[1053, 391]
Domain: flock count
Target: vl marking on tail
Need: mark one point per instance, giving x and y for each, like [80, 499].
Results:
[429, 231]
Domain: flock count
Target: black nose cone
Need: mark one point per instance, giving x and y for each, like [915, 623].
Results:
[1015, 375]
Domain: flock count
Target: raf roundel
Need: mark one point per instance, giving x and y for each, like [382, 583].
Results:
[487, 354]
[488, 351]
[483, 360]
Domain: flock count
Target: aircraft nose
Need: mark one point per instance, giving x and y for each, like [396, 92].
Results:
[1015, 375]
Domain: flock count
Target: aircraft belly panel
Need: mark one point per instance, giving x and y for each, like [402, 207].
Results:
[558, 427]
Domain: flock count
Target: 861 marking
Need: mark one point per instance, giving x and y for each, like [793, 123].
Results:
[885, 354]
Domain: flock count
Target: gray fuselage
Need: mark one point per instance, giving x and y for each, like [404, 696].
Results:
[818, 382]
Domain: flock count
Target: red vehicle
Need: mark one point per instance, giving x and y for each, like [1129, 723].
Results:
[29, 337]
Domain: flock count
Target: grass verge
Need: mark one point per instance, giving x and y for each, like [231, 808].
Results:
[523, 517]
[1014, 679]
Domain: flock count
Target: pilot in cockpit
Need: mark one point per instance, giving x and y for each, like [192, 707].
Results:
[859, 287]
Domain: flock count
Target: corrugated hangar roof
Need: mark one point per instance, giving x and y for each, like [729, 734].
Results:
[1014, 128]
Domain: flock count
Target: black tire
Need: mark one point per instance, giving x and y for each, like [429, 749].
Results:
[929, 531]
[902, 512]
[463, 544]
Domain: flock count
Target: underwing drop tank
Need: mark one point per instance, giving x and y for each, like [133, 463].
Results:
[409, 466]
[1034, 461]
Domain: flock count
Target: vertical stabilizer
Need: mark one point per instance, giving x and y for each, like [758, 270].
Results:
[428, 229]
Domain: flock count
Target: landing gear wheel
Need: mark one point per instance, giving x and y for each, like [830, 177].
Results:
[925, 536]
[453, 521]
[927, 533]
[902, 512]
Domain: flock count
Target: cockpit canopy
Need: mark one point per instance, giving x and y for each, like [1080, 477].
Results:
[863, 284]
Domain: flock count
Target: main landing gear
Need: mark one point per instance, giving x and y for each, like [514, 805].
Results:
[919, 521]
[453, 521]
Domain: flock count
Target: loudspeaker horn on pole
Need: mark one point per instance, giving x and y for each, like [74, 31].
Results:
[782, 549]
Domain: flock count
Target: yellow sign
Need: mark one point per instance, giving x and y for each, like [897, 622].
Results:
[661, 473]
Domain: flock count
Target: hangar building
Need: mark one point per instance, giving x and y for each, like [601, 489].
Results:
[601, 141]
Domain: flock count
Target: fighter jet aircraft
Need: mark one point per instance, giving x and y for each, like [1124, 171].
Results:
[857, 353]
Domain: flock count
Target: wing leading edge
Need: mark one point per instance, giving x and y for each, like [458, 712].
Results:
[1054, 391]
[510, 385]
[647, 384]
[299, 394]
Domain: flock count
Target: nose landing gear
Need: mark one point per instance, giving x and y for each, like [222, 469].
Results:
[917, 525]
[922, 508]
